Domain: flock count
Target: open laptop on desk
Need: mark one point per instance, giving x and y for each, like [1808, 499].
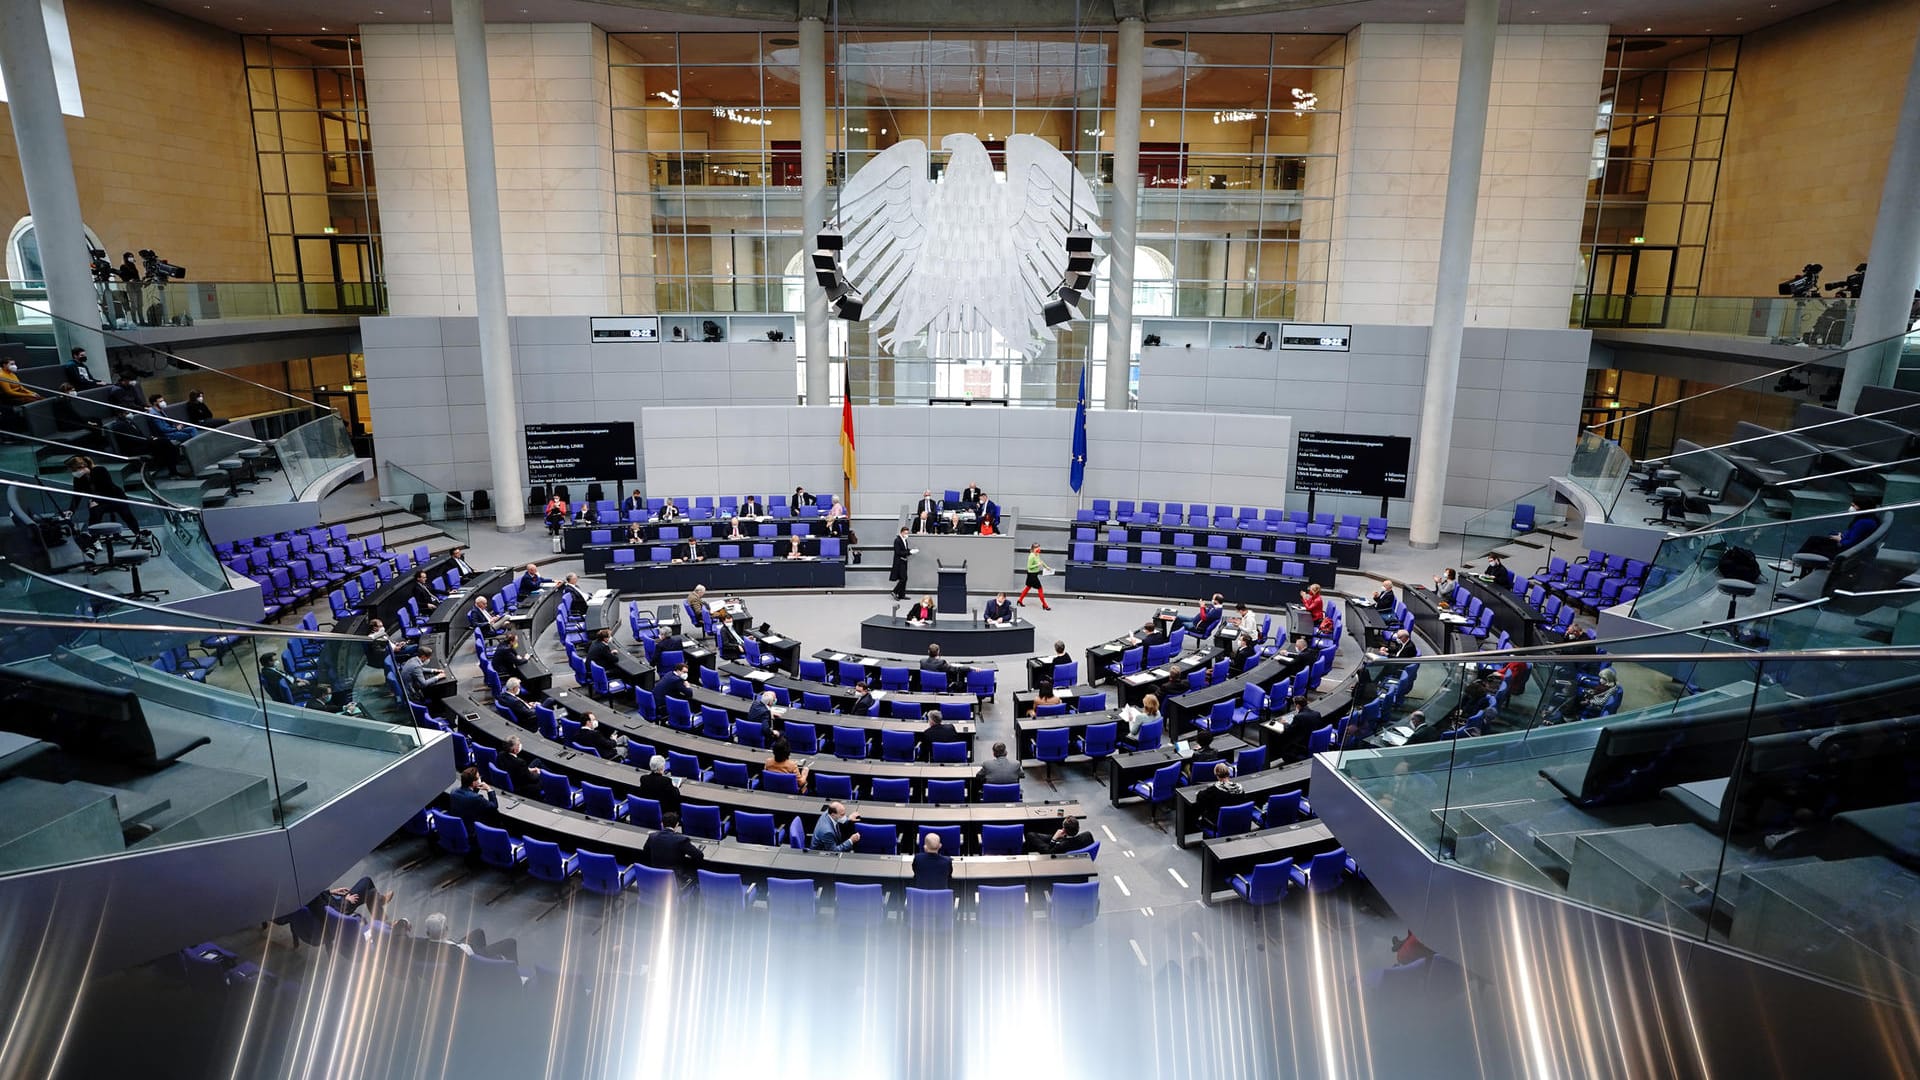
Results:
[1184, 748]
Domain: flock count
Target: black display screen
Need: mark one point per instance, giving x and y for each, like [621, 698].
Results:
[562, 453]
[1334, 463]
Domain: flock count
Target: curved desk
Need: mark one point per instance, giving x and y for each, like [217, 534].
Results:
[885, 633]
[912, 704]
[727, 575]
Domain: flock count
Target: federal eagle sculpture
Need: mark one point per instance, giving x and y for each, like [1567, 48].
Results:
[969, 255]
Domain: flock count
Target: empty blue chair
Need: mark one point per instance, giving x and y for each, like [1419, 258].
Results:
[734, 774]
[604, 874]
[1159, 789]
[684, 766]
[556, 791]
[803, 737]
[1220, 719]
[715, 723]
[1099, 741]
[1324, 872]
[933, 682]
[930, 909]
[598, 801]
[1003, 839]
[888, 789]
[878, 839]
[548, 863]
[703, 821]
[896, 745]
[1000, 793]
[849, 743]
[1001, 905]
[1283, 808]
[1253, 704]
[832, 786]
[792, 900]
[1266, 884]
[1250, 760]
[1230, 821]
[724, 892]
[1071, 905]
[859, 906]
[1052, 745]
[656, 887]
[497, 848]
[1523, 518]
[1092, 702]
[949, 753]
[813, 670]
[951, 792]
[895, 680]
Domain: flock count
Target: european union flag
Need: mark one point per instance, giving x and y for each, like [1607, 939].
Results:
[1080, 433]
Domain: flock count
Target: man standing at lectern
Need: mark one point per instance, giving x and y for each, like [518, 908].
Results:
[899, 573]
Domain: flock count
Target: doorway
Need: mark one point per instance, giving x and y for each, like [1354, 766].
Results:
[1629, 285]
[336, 274]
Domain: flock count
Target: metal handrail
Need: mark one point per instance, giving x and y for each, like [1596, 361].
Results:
[1782, 434]
[125, 411]
[8, 615]
[69, 493]
[1842, 514]
[1549, 650]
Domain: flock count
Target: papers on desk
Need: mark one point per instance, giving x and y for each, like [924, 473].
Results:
[837, 657]
[774, 641]
[757, 675]
[1450, 617]
[878, 695]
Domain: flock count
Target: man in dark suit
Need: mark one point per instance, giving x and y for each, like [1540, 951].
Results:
[939, 731]
[761, 711]
[927, 505]
[862, 701]
[1383, 596]
[460, 563]
[669, 849]
[973, 494]
[483, 622]
[518, 767]
[931, 869]
[1068, 837]
[728, 638]
[934, 661]
[530, 580]
[473, 800]
[424, 593]
[1400, 646]
[750, 506]
[613, 659]
[570, 585]
[1204, 755]
[634, 501]
[1497, 572]
[1222, 792]
[674, 684]
[657, 785]
[508, 655]
[899, 572]
[1149, 634]
[999, 610]
[608, 744]
[510, 697]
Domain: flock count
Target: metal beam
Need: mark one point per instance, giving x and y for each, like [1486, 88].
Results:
[986, 14]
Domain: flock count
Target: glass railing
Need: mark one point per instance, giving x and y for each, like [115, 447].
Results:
[1599, 467]
[138, 306]
[137, 728]
[1530, 521]
[1751, 563]
[408, 494]
[1766, 802]
[124, 546]
[1818, 322]
[282, 442]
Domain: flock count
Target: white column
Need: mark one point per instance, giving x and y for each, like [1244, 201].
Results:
[1456, 260]
[1893, 263]
[1123, 210]
[46, 168]
[489, 265]
[814, 150]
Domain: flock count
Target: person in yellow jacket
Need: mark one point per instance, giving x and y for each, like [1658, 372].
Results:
[13, 394]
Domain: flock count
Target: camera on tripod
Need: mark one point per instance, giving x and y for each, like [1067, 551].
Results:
[102, 269]
[1852, 285]
[157, 269]
[1804, 284]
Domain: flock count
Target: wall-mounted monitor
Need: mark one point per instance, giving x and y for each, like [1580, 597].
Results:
[579, 453]
[1337, 463]
[639, 329]
[1316, 337]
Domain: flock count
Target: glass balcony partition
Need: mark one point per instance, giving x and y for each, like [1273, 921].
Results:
[1600, 468]
[1820, 322]
[1536, 515]
[1764, 801]
[133, 306]
[406, 493]
[123, 546]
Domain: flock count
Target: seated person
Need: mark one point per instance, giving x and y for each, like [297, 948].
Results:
[922, 611]
[474, 799]
[862, 700]
[925, 522]
[751, 507]
[931, 869]
[668, 512]
[1149, 634]
[673, 683]
[658, 786]
[1000, 769]
[508, 654]
[1134, 719]
[1859, 527]
[633, 502]
[691, 552]
[727, 636]
[608, 744]
[589, 514]
[999, 610]
[782, 761]
[514, 701]
[1244, 654]
[1497, 571]
[928, 508]
[793, 547]
[1400, 646]
[325, 700]
[834, 831]
[530, 580]
[570, 587]
[836, 520]
[424, 596]
[612, 659]
[801, 497]
[482, 620]
[939, 731]
[1068, 837]
[733, 530]
[1205, 613]
[669, 849]
[1383, 596]
[555, 514]
[518, 766]
[636, 533]
[279, 684]
[1445, 580]
[419, 675]
[163, 427]
[1222, 792]
[1204, 755]
[1043, 695]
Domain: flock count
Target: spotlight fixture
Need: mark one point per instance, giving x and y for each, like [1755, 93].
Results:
[845, 301]
[1065, 299]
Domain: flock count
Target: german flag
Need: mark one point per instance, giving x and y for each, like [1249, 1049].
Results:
[849, 466]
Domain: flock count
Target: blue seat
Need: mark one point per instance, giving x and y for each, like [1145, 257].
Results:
[656, 887]
[556, 791]
[1091, 702]
[851, 672]
[724, 892]
[1324, 872]
[783, 783]
[982, 684]
[930, 909]
[802, 736]
[1067, 674]
[933, 682]
[1250, 760]
[548, 863]
[604, 874]
[949, 838]
[897, 745]
[832, 786]
[951, 792]
[889, 789]
[598, 801]
[792, 900]
[878, 839]
[1523, 518]
[498, 848]
[859, 905]
[1149, 737]
[1230, 821]
[1219, 719]
[1001, 905]
[1158, 789]
[684, 766]
[642, 812]
[949, 753]
[1283, 808]
[1003, 839]
[734, 774]
[896, 680]
[1253, 705]
[813, 670]
[1000, 793]
[1098, 741]
[849, 743]
[1071, 904]
[715, 723]
[1052, 745]
[703, 821]
[1266, 884]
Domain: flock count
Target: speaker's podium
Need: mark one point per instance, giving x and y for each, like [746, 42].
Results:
[951, 598]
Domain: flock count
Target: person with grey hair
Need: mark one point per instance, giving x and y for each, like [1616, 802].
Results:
[1000, 769]
[761, 711]
[474, 944]
[833, 821]
[658, 786]
[510, 699]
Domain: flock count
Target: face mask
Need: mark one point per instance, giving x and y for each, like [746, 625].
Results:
[80, 474]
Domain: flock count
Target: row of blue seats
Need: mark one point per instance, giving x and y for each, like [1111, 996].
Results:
[350, 597]
[627, 556]
[1189, 560]
[1244, 518]
[1594, 580]
[1069, 904]
[1269, 883]
[708, 508]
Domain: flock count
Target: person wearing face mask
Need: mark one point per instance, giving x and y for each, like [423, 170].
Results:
[91, 483]
[13, 394]
[162, 426]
